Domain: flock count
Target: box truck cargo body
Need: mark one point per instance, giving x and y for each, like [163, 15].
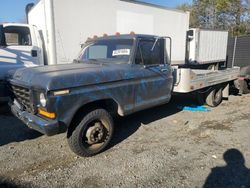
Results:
[64, 24]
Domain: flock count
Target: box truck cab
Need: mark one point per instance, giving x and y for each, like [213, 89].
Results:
[21, 45]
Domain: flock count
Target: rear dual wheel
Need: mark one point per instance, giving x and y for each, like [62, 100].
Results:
[212, 97]
[93, 133]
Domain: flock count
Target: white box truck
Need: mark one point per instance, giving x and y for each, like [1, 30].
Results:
[65, 25]
[57, 28]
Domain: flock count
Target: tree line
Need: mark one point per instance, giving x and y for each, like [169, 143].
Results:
[231, 15]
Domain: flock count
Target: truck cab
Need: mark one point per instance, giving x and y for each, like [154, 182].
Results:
[20, 46]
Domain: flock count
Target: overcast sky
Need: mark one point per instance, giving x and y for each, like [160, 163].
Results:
[14, 10]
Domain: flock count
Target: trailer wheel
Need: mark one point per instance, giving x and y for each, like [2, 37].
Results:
[93, 133]
[214, 97]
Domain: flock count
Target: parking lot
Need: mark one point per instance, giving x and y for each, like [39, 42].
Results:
[159, 147]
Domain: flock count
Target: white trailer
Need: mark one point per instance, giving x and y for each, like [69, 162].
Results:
[207, 46]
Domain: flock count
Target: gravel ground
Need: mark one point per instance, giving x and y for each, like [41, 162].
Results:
[159, 147]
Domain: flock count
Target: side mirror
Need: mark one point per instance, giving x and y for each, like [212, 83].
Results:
[27, 10]
[2, 36]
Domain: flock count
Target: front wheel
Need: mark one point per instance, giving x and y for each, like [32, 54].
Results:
[93, 133]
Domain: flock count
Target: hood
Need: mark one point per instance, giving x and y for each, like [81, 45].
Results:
[71, 75]
[7, 70]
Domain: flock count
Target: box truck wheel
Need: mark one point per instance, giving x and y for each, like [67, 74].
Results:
[214, 97]
[93, 133]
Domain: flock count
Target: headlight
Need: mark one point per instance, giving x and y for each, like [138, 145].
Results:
[43, 99]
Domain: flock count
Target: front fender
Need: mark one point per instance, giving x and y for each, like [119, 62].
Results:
[67, 106]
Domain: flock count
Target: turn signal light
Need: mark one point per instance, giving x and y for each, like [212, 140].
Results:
[44, 113]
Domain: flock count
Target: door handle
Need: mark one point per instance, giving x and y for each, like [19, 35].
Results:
[164, 70]
[34, 53]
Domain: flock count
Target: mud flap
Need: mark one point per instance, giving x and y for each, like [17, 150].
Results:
[225, 92]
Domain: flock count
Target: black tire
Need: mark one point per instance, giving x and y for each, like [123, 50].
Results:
[214, 97]
[98, 124]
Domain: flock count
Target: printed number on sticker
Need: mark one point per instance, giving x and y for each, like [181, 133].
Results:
[121, 52]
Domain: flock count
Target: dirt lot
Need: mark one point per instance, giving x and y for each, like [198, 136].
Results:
[159, 147]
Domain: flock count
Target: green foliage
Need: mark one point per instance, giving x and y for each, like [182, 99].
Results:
[232, 15]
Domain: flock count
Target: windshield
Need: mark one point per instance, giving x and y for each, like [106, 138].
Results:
[108, 50]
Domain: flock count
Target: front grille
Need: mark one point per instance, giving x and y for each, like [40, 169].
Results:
[22, 95]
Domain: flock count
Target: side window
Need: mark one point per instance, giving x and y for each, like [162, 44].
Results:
[17, 36]
[150, 52]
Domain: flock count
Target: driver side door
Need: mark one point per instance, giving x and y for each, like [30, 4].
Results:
[155, 82]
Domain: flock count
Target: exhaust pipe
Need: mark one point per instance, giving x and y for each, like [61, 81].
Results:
[27, 10]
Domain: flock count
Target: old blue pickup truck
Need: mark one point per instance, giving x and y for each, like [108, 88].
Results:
[112, 75]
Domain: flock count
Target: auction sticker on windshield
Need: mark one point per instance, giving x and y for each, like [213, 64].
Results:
[121, 52]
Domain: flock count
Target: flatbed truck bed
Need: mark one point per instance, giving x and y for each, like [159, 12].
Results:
[189, 80]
